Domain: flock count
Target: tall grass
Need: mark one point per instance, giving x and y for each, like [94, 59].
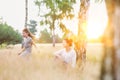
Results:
[42, 66]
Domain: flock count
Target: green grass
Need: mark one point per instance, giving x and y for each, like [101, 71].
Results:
[2, 46]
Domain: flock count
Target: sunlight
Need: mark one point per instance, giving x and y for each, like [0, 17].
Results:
[71, 25]
[97, 20]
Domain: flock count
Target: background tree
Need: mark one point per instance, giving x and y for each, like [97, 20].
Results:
[26, 13]
[32, 26]
[1, 20]
[45, 37]
[56, 11]
[8, 35]
[58, 39]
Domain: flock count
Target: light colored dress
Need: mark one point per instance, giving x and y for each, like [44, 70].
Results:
[68, 57]
[27, 44]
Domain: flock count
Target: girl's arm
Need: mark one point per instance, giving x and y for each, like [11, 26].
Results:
[33, 43]
[23, 49]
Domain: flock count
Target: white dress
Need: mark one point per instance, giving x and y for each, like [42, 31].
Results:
[68, 57]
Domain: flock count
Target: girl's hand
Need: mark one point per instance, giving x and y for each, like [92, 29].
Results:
[19, 53]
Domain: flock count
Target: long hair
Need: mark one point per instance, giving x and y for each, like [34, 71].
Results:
[29, 33]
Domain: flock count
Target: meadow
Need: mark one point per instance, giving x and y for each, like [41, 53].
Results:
[42, 65]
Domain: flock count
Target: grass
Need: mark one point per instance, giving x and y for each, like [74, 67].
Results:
[2, 46]
[42, 66]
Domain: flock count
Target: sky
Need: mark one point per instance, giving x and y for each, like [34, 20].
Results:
[97, 19]
[13, 12]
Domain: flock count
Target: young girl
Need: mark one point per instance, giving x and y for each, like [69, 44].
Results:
[26, 43]
[68, 54]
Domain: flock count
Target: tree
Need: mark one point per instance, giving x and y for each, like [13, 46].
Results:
[32, 26]
[1, 20]
[45, 37]
[26, 13]
[58, 39]
[9, 35]
[112, 42]
[80, 39]
[56, 11]
[116, 40]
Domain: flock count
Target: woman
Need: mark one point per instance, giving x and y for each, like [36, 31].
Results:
[26, 43]
[68, 54]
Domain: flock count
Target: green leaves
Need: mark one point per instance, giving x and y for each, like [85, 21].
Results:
[47, 38]
[32, 26]
[56, 10]
[9, 35]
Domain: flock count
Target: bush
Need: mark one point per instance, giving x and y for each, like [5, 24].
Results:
[8, 35]
[46, 37]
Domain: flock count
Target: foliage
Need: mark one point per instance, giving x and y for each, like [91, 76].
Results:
[8, 35]
[32, 26]
[58, 39]
[56, 11]
[47, 38]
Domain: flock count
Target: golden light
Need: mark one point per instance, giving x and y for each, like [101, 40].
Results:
[97, 20]
[72, 25]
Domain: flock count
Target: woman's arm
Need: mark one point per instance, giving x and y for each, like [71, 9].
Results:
[58, 54]
[73, 62]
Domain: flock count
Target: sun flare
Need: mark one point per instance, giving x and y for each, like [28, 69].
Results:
[97, 20]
